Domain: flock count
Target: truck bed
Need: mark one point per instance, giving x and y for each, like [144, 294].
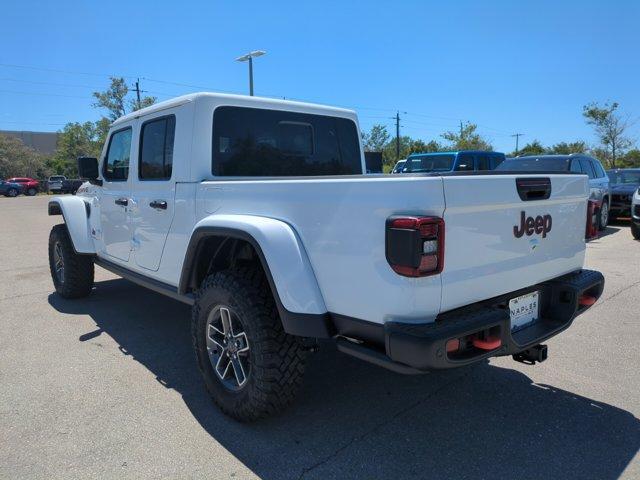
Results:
[341, 223]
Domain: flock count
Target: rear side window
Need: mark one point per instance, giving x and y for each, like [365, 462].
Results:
[496, 160]
[116, 163]
[597, 166]
[156, 148]
[484, 161]
[260, 143]
[465, 162]
[575, 166]
[587, 168]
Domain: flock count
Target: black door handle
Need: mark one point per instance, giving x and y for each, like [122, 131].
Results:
[159, 204]
[122, 202]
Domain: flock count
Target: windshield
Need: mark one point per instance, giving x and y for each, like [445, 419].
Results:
[622, 178]
[431, 163]
[399, 165]
[528, 164]
[56, 179]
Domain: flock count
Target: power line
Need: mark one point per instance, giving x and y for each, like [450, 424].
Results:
[29, 123]
[49, 83]
[56, 70]
[203, 87]
[43, 94]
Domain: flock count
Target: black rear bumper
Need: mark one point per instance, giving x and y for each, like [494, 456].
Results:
[414, 348]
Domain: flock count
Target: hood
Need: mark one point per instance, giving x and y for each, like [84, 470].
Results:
[624, 188]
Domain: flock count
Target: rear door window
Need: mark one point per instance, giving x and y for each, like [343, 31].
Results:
[484, 161]
[465, 162]
[259, 142]
[575, 166]
[156, 149]
[597, 166]
[585, 164]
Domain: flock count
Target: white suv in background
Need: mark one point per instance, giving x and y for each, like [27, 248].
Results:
[54, 184]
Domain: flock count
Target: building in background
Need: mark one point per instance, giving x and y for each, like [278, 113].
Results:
[42, 142]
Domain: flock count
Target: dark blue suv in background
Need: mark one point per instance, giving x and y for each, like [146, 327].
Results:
[624, 183]
[462, 161]
[10, 189]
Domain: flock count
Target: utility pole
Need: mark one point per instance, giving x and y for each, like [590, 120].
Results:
[397, 135]
[517, 135]
[138, 92]
[460, 130]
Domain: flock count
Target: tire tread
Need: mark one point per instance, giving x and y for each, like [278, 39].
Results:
[78, 269]
[279, 368]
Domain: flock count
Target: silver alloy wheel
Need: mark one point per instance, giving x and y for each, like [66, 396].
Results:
[604, 214]
[228, 347]
[13, 192]
[58, 262]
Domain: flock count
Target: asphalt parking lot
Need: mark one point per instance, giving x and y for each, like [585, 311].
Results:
[107, 387]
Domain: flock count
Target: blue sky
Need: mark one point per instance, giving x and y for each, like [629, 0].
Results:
[508, 66]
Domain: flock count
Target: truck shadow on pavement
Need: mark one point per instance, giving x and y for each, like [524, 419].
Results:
[610, 230]
[354, 420]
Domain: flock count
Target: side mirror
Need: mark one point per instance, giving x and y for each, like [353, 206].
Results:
[88, 170]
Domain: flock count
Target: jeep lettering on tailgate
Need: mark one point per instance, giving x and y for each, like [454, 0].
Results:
[529, 225]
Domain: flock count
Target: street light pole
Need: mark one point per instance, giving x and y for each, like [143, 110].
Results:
[251, 76]
[249, 57]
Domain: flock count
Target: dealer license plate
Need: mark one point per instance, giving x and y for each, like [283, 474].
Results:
[524, 310]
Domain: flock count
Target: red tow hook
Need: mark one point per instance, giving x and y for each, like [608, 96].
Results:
[488, 343]
[586, 300]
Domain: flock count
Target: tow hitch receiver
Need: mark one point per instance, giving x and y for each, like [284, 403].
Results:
[532, 355]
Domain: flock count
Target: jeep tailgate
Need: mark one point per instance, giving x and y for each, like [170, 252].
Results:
[488, 252]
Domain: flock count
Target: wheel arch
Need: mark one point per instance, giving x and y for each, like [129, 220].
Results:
[75, 212]
[282, 257]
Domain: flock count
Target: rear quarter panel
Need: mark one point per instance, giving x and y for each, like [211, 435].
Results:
[341, 223]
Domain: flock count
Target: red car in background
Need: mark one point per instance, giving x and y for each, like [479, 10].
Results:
[29, 185]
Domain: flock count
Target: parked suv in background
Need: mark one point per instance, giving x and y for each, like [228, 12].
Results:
[10, 189]
[71, 185]
[29, 185]
[464, 161]
[624, 183]
[577, 163]
[55, 183]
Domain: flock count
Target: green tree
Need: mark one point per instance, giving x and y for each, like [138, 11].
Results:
[631, 159]
[610, 128]
[408, 146]
[18, 160]
[76, 140]
[376, 139]
[564, 148]
[115, 101]
[531, 148]
[467, 138]
[86, 139]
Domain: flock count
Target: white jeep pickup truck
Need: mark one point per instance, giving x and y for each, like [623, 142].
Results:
[257, 213]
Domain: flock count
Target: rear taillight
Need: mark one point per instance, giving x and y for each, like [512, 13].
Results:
[415, 245]
[592, 219]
